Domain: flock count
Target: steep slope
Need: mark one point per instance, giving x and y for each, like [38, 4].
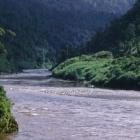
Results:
[122, 37]
[43, 27]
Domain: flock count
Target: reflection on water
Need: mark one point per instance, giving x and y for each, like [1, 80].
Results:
[43, 116]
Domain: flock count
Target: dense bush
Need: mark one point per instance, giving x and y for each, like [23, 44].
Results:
[102, 71]
[7, 122]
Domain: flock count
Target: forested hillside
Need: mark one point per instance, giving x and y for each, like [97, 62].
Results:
[4, 63]
[44, 27]
[119, 65]
[122, 37]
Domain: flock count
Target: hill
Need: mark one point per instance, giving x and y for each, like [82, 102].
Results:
[44, 27]
[116, 67]
[122, 37]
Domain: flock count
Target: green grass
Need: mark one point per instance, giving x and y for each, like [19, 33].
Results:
[102, 70]
[7, 122]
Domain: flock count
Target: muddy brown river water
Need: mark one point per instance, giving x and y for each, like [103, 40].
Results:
[51, 109]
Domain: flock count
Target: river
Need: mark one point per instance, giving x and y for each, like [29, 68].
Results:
[52, 109]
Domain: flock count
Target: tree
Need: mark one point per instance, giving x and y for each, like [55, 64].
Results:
[137, 45]
[130, 37]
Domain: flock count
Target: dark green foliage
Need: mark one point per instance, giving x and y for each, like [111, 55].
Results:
[2, 49]
[122, 37]
[4, 63]
[51, 25]
[7, 122]
[101, 71]
[126, 73]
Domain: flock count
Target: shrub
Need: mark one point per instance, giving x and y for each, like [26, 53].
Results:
[7, 122]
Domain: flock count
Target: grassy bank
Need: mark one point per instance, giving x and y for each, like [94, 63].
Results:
[102, 70]
[7, 122]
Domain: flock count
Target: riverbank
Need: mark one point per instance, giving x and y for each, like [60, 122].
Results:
[102, 70]
[7, 121]
[41, 81]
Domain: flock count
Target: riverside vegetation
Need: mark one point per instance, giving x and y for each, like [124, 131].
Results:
[36, 46]
[7, 122]
[102, 70]
[116, 67]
